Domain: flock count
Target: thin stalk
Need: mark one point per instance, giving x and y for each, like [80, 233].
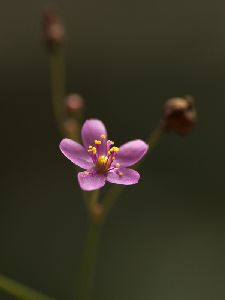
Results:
[90, 199]
[20, 291]
[86, 279]
[93, 198]
[95, 228]
[154, 137]
[114, 192]
[57, 70]
[111, 198]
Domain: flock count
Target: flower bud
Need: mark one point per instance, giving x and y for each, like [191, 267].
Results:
[97, 212]
[71, 128]
[179, 114]
[74, 103]
[53, 29]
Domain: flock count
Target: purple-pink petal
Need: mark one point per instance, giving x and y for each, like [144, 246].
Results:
[91, 181]
[76, 153]
[91, 131]
[128, 176]
[131, 152]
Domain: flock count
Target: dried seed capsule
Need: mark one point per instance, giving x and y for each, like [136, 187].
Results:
[179, 114]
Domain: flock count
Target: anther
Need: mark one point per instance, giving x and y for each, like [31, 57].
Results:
[86, 172]
[97, 142]
[110, 142]
[114, 149]
[103, 136]
[117, 165]
[120, 174]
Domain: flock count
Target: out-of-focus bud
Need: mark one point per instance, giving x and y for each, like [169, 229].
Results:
[74, 103]
[179, 114]
[53, 29]
[97, 212]
[71, 128]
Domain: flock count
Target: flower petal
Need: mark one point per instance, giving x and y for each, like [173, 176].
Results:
[131, 152]
[91, 131]
[91, 181]
[127, 177]
[76, 153]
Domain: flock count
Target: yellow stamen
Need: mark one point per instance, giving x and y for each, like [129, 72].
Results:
[103, 136]
[86, 172]
[120, 173]
[92, 149]
[117, 165]
[114, 149]
[97, 142]
[111, 142]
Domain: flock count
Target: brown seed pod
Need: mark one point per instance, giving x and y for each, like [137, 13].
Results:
[179, 115]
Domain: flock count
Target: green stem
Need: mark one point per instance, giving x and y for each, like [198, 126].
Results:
[57, 69]
[91, 198]
[114, 192]
[95, 228]
[154, 137]
[111, 198]
[20, 291]
[89, 261]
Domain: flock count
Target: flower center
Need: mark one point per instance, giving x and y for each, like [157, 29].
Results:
[103, 154]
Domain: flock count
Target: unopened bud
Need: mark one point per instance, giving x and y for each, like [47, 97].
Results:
[179, 114]
[74, 103]
[97, 212]
[71, 128]
[53, 29]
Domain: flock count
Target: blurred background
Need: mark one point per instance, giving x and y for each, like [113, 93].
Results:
[165, 238]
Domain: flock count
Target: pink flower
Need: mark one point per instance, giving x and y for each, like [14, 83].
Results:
[103, 161]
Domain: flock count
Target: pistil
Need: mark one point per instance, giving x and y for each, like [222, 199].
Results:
[103, 161]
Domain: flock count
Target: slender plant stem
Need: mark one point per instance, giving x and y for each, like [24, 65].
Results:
[20, 291]
[57, 69]
[94, 198]
[154, 137]
[89, 261]
[114, 192]
[111, 198]
[95, 228]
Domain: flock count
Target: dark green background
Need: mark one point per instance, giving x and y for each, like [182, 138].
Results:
[165, 239]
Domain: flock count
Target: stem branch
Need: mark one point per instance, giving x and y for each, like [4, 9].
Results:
[113, 193]
[20, 291]
[57, 69]
[89, 261]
